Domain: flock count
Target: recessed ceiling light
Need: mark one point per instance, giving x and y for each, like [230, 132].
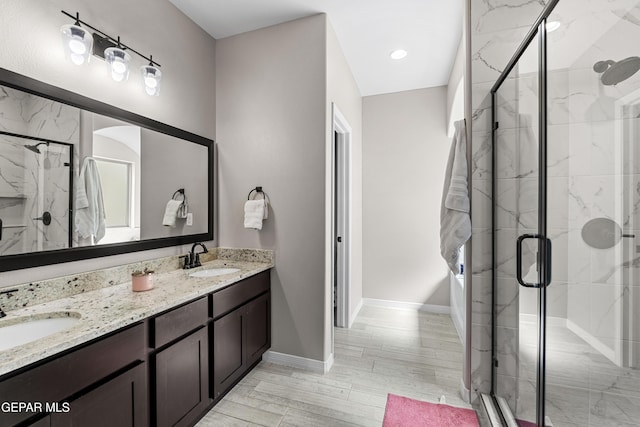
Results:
[398, 54]
[552, 26]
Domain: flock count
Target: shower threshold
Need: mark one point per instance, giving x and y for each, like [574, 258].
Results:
[500, 414]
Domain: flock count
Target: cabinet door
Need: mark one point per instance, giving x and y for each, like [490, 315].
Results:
[182, 380]
[258, 330]
[228, 351]
[119, 402]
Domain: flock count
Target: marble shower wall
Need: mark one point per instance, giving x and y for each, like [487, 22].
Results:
[595, 130]
[32, 183]
[497, 29]
[593, 171]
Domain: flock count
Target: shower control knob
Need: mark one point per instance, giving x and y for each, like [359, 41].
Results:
[45, 218]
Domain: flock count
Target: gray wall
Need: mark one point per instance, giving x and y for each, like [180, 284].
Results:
[455, 89]
[404, 157]
[30, 30]
[271, 131]
[343, 91]
[168, 164]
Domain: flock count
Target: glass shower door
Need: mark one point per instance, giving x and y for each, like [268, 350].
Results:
[593, 339]
[520, 242]
[52, 214]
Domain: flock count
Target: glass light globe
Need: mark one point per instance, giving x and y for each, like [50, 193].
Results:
[77, 43]
[151, 77]
[117, 61]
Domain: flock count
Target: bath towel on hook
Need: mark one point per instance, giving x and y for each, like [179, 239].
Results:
[455, 223]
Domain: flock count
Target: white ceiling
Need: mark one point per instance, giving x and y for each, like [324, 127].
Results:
[368, 30]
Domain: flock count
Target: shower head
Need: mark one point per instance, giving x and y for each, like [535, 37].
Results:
[616, 72]
[35, 148]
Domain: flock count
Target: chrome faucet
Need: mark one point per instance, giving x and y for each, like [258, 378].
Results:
[192, 259]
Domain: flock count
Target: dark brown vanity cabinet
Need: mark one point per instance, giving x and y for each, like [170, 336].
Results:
[102, 377]
[181, 369]
[120, 402]
[241, 330]
[258, 327]
[165, 371]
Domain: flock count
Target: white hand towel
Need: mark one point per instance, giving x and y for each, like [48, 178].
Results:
[455, 223]
[254, 213]
[171, 213]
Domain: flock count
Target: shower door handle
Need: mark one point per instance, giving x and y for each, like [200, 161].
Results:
[541, 239]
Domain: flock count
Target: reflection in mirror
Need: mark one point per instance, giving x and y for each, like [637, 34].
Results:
[139, 167]
[116, 149]
[37, 137]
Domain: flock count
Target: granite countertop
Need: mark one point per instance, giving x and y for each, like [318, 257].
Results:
[108, 309]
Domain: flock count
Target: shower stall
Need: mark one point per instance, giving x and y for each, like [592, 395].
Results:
[566, 220]
[35, 194]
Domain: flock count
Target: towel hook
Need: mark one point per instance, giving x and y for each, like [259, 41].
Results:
[257, 190]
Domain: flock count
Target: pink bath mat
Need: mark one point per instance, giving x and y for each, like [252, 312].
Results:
[405, 412]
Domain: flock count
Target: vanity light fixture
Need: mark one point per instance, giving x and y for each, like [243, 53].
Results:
[80, 44]
[117, 62]
[398, 54]
[151, 76]
[77, 42]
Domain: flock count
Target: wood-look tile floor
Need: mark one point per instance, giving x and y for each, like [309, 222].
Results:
[404, 352]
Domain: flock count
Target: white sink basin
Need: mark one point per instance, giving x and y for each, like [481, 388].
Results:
[26, 329]
[213, 272]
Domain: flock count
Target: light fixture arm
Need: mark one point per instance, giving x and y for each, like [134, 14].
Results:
[108, 37]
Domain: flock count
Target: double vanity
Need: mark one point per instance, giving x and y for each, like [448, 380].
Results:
[115, 357]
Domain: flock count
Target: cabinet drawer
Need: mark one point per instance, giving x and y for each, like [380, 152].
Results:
[60, 378]
[179, 321]
[237, 294]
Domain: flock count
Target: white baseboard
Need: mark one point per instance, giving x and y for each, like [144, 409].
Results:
[428, 308]
[312, 365]
[352, 317]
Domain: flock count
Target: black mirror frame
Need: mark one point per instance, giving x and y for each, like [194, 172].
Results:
[37, 259]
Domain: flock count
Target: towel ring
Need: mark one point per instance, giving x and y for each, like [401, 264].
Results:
[179, 192]
[183, 210]
[258, 190]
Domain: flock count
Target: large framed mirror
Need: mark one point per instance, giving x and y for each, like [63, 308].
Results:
[82, 179]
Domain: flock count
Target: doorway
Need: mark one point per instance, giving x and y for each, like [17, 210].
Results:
[341, 218]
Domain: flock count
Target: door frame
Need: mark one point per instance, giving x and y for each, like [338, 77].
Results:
[544, 244]
[624, 353]
[341, 176]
